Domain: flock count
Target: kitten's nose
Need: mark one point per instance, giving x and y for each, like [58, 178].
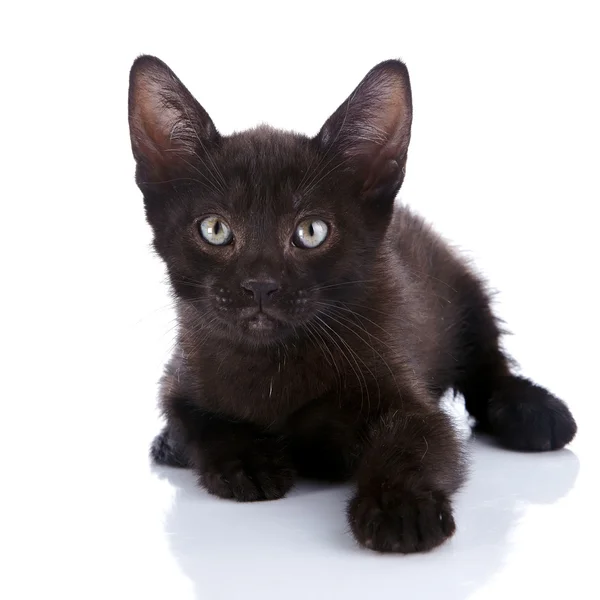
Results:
[260, 289]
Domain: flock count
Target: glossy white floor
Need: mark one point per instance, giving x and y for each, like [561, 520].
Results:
[504, 161]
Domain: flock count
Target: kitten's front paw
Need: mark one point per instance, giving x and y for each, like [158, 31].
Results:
[260, 471]
[401, 521]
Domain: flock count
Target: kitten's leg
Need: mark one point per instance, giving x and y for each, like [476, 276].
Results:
[233, 459]
[521, 414]
[412, 466]
[326, 439]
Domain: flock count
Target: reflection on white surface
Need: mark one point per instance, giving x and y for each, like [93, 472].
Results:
[285, 548]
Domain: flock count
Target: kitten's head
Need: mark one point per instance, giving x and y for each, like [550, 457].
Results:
[264, 231]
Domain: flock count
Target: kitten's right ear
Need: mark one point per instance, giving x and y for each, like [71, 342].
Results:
[370, 131]
[166, 124]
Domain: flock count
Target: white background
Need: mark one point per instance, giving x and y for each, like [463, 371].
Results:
[504, 161]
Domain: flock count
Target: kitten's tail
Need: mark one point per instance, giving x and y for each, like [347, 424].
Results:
[521, 414]
[526, 416]
[165, 451]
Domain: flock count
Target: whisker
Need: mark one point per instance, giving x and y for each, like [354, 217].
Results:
[334, 364]
[172, 181]
[354, 356]
[340, 284]
[352, 330]
[193, 283]
[316, 183]
[208, 180]
[333, 142]
[216, 171]
[342, 307]
[412, 326]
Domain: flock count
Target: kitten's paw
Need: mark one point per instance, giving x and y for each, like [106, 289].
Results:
[525, 416]
[261, 472]
[401, 521]
[165, 451]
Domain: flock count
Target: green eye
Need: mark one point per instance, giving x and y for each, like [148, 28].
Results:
[311, 233]
[215, 231]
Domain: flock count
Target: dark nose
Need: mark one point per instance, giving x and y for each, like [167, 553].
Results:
[260, 289]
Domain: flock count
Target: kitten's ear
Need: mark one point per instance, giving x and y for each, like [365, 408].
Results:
[370, 131]
[166, 124]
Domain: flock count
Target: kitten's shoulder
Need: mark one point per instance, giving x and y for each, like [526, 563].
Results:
[414, 240]
[408, 227]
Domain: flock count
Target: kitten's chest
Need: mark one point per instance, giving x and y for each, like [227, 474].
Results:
[264, 389]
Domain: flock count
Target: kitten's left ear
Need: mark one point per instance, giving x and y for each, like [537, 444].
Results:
[168, 127]
[370, 131]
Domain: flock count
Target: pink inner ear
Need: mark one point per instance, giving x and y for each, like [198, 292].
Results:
[381, 128]
[155, 122]
[374, 127]
[370, 131]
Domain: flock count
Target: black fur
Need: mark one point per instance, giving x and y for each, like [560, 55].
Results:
[326, 362]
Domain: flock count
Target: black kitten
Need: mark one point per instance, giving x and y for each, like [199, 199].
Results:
[319, 324]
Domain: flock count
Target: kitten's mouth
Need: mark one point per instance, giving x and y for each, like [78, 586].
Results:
[261, 323]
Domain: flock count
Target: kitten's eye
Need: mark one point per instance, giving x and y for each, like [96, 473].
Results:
[215, 231]
[310, 233]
